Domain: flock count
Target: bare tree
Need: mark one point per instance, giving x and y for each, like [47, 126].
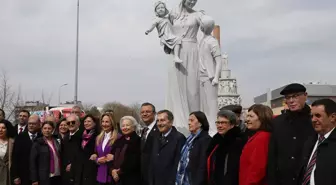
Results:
[44, 101]
[86, 107]
[8, 98]
[121, 110]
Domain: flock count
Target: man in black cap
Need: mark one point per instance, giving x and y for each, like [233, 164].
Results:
[290, 131]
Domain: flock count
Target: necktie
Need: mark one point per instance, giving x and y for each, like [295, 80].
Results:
[311, 164]
[20, 130]
[144, 133]
[163, 140]
[33, 137]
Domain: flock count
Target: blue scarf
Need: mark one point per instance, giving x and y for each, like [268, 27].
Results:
[181, 177]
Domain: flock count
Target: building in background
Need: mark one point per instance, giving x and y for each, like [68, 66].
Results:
[315, 91]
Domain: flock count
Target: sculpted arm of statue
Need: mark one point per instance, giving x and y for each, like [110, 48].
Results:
[151, 28]
[218, 60]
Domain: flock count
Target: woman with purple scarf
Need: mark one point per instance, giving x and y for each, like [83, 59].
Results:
[104, 145]
[45, 161]
[85, 170]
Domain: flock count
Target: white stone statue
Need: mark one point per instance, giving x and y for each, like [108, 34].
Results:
[225, 61]
[183, 96]
[210, 68]
[164, 28]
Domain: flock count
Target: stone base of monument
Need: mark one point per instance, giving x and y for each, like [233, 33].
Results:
[227, 87]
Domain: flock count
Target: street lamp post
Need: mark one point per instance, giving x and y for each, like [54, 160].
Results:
[59, 93]
[76, 67]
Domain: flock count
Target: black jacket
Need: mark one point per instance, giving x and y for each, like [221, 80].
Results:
[40, 161]
[325, 162]
[21, 158]
[70, 149]
[165, 158]
[223, 156]
[146, 151]
[198, 159]
[83, 170]
[130, 170]
[290, 131]
[16, 129]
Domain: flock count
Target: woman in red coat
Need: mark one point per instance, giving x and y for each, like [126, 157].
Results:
[253, 161]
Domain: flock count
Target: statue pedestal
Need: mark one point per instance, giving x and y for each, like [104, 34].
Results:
[227, 87]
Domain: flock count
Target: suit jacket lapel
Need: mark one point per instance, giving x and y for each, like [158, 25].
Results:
[10, 149]
[57, 145]
[168, 138]
[309, 146]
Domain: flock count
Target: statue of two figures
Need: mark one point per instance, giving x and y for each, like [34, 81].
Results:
[194, 73]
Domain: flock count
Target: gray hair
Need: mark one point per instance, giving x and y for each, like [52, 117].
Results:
[135, 124]
[231, 116]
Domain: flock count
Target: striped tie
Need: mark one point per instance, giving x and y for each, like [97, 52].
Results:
[311, 164]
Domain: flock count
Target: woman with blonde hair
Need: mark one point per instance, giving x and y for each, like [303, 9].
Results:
[104, 144]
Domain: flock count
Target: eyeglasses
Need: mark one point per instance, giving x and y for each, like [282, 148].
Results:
[294, 96]
[71, 122]
[222, 122]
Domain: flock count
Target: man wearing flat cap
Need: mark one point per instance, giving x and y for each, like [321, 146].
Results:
[290, 131]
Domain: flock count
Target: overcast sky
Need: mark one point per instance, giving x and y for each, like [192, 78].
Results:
[269, 43]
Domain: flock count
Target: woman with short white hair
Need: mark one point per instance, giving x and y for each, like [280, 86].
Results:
[127, 154]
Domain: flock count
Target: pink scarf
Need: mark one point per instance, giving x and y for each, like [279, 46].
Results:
[86, 137]
[52, 149]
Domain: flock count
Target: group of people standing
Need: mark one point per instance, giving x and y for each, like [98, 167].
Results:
[295, 148]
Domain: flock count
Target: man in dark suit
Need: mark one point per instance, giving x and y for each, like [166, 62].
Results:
[148, 134]
[71, 147]
[23, 120]
[21, 152]
[166, 151]
[319, 162]
[290, 131]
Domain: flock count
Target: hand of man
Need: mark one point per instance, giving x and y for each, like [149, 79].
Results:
[17, 181]
[35, 183]
[115, 175]
[93, 157]
[68, 168]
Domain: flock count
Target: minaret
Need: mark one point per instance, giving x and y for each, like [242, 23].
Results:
[227, 86]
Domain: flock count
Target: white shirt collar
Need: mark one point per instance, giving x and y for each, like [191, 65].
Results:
[71, 134]
[150, 126]
[166, 134]
[107, 135]
[328, 134]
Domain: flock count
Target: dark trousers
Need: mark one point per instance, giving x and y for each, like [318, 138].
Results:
[56, 180]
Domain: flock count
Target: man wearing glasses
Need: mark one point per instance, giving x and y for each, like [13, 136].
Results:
[70, 148]
[290, 131]
[21, 152]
